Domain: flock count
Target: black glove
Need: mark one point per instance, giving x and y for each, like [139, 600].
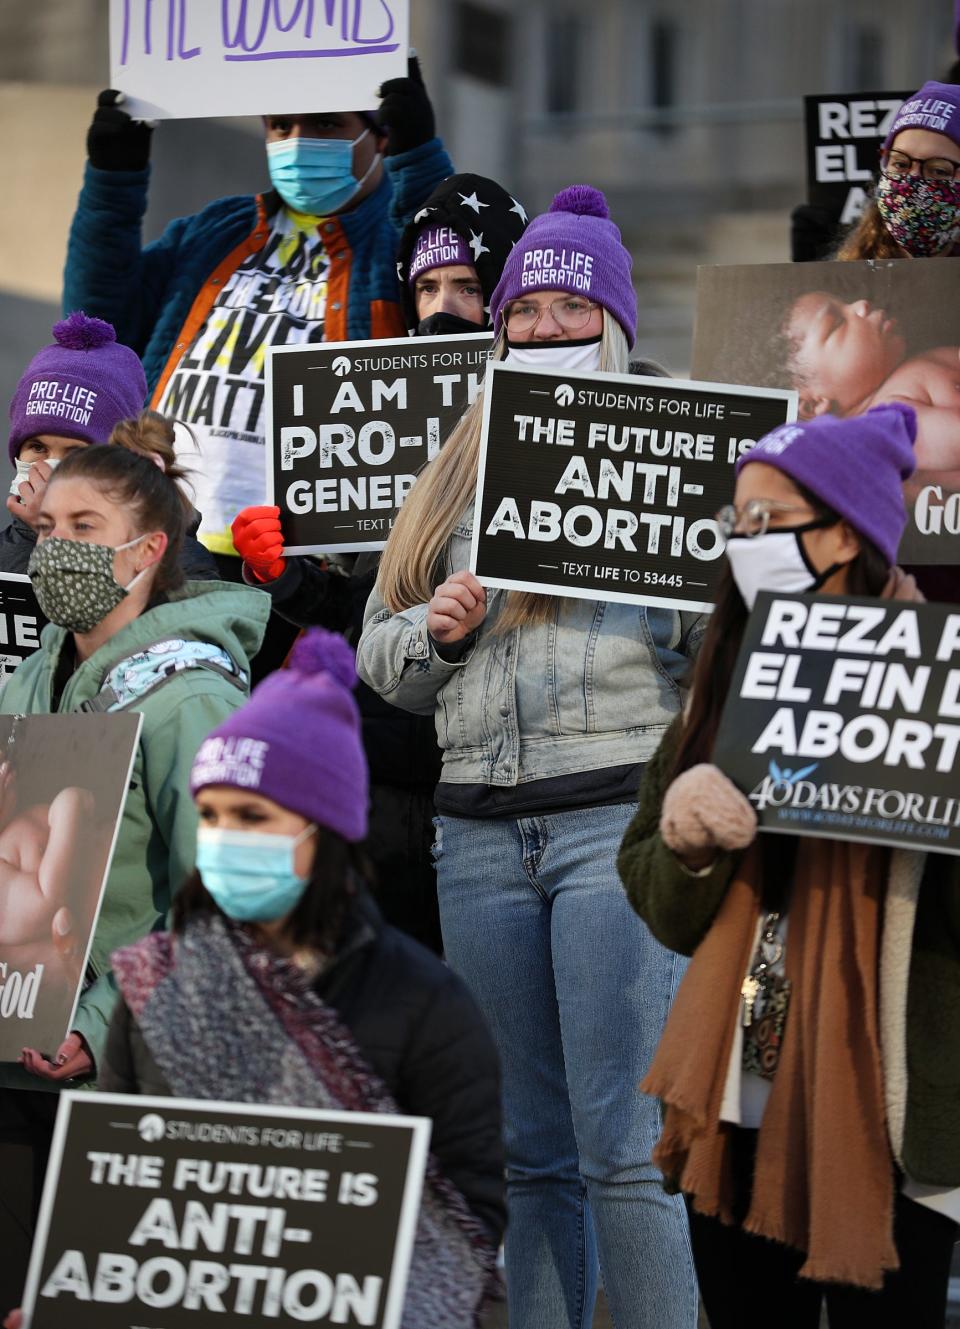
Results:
[813, 233]
[115, 142]
[405, 115]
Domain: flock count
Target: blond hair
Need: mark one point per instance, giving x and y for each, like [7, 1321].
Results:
[414, 561]
[153, 435]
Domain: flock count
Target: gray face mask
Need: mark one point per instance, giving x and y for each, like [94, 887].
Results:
[75, 583]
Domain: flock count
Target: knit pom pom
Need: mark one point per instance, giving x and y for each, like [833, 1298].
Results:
[79, 333]
[582, 200]
[322, 652]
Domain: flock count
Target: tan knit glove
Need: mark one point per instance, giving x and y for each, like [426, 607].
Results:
[704, 810]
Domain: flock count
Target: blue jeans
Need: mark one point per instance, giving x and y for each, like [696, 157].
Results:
[576, 992]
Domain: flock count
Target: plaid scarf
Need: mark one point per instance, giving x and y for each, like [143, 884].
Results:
[226, 1019]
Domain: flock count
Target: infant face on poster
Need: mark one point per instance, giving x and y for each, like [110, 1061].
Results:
[845, 357]
[51, 862]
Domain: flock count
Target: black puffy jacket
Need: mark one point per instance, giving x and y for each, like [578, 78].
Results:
[420, 1031]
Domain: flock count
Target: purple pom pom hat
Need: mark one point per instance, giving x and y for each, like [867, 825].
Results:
[297, 740]
[80, 386]
[574, 247]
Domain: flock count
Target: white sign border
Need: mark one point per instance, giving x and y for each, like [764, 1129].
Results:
[790, 396]
[420, 1127]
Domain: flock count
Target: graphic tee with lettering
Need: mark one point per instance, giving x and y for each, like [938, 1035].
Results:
[277, 297]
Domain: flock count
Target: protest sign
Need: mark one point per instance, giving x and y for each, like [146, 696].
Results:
[351, 423]
[21, 622]
[605, 487]
[175, 58]
[843, 719]
[849, 336]
[844, 138]
[269, 1214]
[63, 782]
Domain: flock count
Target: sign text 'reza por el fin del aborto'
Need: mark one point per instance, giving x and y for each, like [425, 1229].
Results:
[606, 486]
[181, 58]
[843, 719]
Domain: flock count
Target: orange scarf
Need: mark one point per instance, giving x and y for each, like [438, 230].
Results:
[824, 1179]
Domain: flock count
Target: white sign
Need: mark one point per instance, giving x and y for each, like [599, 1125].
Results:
[182, 58]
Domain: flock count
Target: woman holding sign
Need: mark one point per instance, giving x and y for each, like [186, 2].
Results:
[280, 983]
[546, 711]
[823, 970]
[125, 632]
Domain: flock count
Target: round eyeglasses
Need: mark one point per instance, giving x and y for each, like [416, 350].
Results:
[897, 165]
[572, 313]
[753, 518]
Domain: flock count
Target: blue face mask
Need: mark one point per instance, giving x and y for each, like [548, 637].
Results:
[250, 873]
[315, 175]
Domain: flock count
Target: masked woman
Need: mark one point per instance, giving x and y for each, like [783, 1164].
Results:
[546, 711]
[125, 632]
[810, 1067]
[449, 264]
[280, 983]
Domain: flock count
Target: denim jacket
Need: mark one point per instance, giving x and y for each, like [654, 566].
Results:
[594, 687]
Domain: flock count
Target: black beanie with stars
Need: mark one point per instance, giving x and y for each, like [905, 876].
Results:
[489, 221]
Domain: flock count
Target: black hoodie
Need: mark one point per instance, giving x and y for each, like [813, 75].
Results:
[489, 220]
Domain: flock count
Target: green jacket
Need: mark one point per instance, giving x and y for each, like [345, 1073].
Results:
[919, 994]
[157, 839]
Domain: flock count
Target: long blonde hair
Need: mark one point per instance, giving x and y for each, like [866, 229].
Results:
[413, 563]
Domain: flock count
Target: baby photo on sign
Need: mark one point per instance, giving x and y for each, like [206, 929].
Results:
[63, 782]
[849, 336]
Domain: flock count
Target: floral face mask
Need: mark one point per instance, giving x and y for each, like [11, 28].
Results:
[922, 216]
[75, 583]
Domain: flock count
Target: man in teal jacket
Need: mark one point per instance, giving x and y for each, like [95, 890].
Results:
[314, 259]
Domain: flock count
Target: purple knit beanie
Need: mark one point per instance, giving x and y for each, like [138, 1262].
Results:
[856, 466]
[574, 247]
[438, 247]
[80, 386]
[297, 740]
[936, 106]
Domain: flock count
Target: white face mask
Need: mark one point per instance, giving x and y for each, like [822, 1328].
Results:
[582, 357]
[774, 561]
[23, 472]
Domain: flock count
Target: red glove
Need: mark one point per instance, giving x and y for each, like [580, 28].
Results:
[259, 542]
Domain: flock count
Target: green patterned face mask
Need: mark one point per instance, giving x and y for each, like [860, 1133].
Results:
[74, 581]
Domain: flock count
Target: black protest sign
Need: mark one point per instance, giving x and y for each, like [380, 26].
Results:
[21, 622]
[264, 1214]
[63, 783]
[847, 337]
[843, 720]
[351, 424]
[605, 487]
[844, 137]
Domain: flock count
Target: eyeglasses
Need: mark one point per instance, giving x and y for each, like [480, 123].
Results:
[571, 313]
[753, 517]
[898, 166]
